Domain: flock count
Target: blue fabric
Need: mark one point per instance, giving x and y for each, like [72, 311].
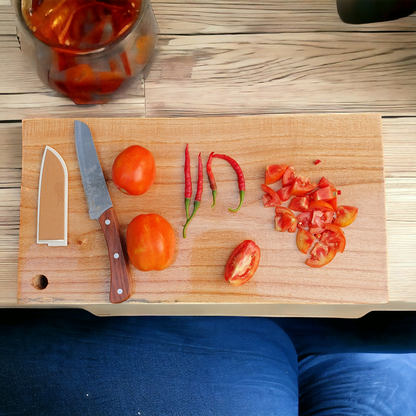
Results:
[358, 384]
[72, 363]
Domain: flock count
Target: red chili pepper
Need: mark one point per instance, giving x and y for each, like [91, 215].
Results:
[211, 178]
[240, 176]
[188, 181]
[198, 195]
[317, 161]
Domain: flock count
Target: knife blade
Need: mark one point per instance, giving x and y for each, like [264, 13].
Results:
[101, 208]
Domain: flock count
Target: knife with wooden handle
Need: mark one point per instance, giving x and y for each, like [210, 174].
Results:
[101, 209]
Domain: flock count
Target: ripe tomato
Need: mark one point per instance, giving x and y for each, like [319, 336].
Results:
[320, 205]
[274, 173]
[270, 199]
[304, 219]
[321, 255]
[299, 203]
[301, 186]
[334, 237]
[242, 263]
[285, 220]
[284, 193]
[304, 240]
[150, 242]
[346, 215]
[134, 170]
[323, 183]
[289, 176]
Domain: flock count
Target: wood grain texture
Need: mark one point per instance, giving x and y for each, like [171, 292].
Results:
[350, 145]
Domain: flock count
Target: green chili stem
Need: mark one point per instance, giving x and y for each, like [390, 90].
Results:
[214, 195]
[242, 193]
[187, 203]
[196, 206]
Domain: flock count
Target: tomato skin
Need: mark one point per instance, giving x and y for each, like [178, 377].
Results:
[301, 186]
[346, 215]
[284, 193]
[289, 176]
[274, 173]
[150, 242]
[299, 203]
[243, 263]
[134, 170]
[321, 255]
[304, 240]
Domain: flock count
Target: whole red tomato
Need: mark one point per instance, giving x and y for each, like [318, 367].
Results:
[134, 170]
[150, 242]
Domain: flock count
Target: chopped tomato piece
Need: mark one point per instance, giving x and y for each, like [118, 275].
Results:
[289, 176]
[285, 220]
[299, 203]
[274, 173]
[270, 199]
[323, 194]
[302, 186]
[334, 237]
[346, 215]
[284, 193]
[319, 219]
[324, 182]
[321, 255]
[321, 205]
[304, 219]
[304, 240]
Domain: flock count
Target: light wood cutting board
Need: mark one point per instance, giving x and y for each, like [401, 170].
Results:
[349, 146]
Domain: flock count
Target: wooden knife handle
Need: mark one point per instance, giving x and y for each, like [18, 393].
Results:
[121, 286]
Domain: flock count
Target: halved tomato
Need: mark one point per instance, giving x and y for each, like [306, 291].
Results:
[304, 219]
[321, 255]
[304, 240]
[346, 215]
[285, 220]
[289, 176]
[334, 237]
[270, 199]
[284, 193]
[301, 186]
[243, 263]
[299, 203]
[274, 173]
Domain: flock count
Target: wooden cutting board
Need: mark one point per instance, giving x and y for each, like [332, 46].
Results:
[349, 146]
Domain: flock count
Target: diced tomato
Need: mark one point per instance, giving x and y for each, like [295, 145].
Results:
[270, 199]
[324, 182]
[299, 203]
[304, 219]
[321, 255]
[321, 205]
[289, 176]
[319, 219]
[284, 193]
[304, 240]
[334, 237]
[346, 215]
[323, 194]
[274, 173]
[302, 186]
[285, 220]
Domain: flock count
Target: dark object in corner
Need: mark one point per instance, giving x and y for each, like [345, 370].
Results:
[371, 11]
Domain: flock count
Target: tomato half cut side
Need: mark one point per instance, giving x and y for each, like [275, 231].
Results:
[274, 173]
[270, 199]
[301, 186]
[334, 237]
[243, 263]
[346, 215]
[304, 240]
[321, 255]
[284, 193]
[289, 176]
[299, 203]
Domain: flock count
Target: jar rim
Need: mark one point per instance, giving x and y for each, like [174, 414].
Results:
[115, 42]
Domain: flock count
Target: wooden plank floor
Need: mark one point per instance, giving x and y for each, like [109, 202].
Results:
[243, 57]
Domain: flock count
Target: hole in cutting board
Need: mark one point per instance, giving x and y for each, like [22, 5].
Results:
[40, 282]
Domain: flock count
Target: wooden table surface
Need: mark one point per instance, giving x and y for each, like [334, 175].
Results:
[243, 57]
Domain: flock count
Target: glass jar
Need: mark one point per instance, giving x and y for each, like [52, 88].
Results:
[94, 75]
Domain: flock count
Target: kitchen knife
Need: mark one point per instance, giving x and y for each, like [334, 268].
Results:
[101, 209]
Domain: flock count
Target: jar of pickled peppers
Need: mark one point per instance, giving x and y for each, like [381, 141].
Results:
[87, 50]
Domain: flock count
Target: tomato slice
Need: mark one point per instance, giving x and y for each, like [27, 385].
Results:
[321, 255]
[346, 215]
[321, 205]
[243, 263]
[289, 176]
[284, 193]
[270, 199]
[304, 219]
[274, 173]
[285, 220]
[299, 203]
[301, 186]
[334, 237]
[304, 240]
